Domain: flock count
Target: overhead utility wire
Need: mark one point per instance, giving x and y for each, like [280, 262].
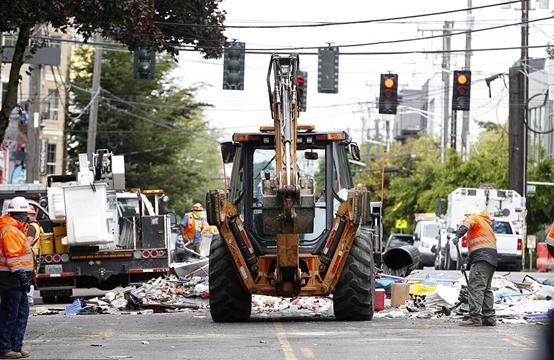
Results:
[336, 23]
[403, 40]
[396, 52]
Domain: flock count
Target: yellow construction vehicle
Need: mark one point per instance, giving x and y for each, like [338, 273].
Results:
[291, 222]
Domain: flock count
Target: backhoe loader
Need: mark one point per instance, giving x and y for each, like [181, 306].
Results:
[291, 222]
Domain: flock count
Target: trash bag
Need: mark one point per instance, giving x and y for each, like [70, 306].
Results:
[133, 302]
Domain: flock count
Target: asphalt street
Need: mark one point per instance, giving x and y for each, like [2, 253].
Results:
[193, 335]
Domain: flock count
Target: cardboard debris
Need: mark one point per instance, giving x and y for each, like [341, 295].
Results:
[515, 303]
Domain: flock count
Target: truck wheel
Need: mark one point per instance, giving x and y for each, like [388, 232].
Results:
[229, 301]
[353, 297]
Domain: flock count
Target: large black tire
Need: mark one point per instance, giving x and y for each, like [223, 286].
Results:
[229, 301]
[353, 297]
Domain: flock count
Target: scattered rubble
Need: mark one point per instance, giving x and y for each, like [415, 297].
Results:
[309, 305]
[515, 303]
[158, 295]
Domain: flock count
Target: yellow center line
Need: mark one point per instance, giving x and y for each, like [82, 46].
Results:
[308, 353]
[285, 345]
[517, 341]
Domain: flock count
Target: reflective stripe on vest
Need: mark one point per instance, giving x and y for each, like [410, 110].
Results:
[24, 262]
[550, 241]
[482, 242]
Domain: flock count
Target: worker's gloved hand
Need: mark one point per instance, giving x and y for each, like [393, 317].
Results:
[455, 240]
[24, 280]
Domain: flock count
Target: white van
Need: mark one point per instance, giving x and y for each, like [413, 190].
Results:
[426, 235]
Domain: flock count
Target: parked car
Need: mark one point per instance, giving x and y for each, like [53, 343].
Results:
[426, 236]
[398, 240]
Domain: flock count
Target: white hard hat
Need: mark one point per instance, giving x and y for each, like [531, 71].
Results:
[472, 210]
[18, 205]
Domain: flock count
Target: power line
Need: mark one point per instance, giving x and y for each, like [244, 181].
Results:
[406, 52]
[337, 23]
[403, 40]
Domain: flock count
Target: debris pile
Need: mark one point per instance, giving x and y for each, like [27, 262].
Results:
[309, 305]
[158, 295]
[527, 301]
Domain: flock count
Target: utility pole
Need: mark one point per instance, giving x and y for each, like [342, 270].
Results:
[519, 90]
[377, 137]
[467, 65]
[525, 85]
[93, 114]
[32, 161]
[518, 112]
[447, 30]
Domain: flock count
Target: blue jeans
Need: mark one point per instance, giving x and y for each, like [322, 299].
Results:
[14, 312]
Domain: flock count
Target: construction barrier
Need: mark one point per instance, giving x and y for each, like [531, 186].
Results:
[545, 262]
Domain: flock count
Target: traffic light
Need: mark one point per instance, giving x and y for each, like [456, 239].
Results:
[144, 65]
[461, 90]
[233, 67]
[302, 86]
[388, 94]
[328, 70]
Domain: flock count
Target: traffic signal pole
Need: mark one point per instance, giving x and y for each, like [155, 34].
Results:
[446, 86]
[467, 65]
[94, 94]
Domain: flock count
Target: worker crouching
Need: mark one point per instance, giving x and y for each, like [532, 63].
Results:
[16, 266]
[482, 261]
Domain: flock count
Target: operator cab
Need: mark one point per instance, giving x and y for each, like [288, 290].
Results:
[318, 154]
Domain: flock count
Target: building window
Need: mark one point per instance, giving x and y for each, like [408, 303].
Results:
[9, 39]
[51, 159]
[53, 99]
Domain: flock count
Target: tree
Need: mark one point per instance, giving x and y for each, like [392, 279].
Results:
[156, 125]
[164, 25]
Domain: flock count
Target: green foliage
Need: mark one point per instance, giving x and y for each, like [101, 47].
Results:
[131, 22]
[156, 125]
[423, 180]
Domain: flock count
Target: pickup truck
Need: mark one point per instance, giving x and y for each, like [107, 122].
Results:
[509, 245]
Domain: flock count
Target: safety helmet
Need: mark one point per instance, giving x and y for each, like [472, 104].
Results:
[472, 210]
[197, 207]
[18, 205]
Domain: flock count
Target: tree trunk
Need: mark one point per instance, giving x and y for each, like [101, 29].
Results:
[10, 101]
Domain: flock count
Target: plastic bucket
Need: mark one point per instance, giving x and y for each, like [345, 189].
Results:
[59, 233]
[379, 300]
[47, 244]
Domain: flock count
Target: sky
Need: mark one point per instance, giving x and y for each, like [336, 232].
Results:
[359, 75]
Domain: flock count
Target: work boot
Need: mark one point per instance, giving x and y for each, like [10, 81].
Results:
[25, 354]
[470, 322]
[489, 323]
[10, 355]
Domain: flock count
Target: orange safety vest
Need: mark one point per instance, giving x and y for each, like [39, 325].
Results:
[15, 251]
[35, 242]
[480, 234]
[189, 232]
[550, 236]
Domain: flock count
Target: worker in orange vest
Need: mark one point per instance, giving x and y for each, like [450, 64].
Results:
[482, 260]
[34, 233]
[550, 240]
[193, 224]
[16, 267]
